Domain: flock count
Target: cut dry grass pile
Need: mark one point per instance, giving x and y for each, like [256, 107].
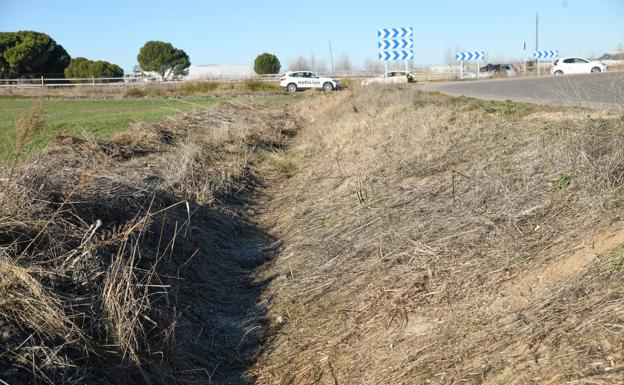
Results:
[448, 241]
[115, 255]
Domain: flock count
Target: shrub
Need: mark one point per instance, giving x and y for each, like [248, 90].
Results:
[85, 68]
[134, 92]
[256, 85]
[266, 63]
[198, 87]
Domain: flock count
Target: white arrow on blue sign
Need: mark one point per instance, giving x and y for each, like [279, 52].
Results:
[548, 54]
[395, 33]
[395, 44]
[396, 55]
[470, 55]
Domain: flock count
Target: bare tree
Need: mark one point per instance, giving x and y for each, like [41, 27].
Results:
[448, 57]
[299, 64]
[316, 64]
[344, 63]
[312, 61]
[320, 66]
[372, 65]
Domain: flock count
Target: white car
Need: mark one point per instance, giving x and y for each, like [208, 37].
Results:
[391, 77]
[576, 65]
[467, 75]
[301, 80]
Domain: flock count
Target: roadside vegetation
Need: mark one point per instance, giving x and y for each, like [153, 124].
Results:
[121, 259]
[151, 90]
[371, 236]
[436, 240]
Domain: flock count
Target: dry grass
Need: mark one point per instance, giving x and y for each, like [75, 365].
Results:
[447, 240]
[187, 88]
[116, 256]
[422, 239]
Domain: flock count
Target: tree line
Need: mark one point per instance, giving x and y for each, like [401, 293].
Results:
[27, 54]
[32, 54]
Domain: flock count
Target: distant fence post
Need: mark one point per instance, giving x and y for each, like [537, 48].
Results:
[42, 82]
[93, 81]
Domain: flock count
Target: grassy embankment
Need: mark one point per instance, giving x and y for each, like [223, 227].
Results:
[418, 238]
[437, 240]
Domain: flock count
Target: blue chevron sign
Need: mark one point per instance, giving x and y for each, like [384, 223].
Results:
[395, 33]
[395, 43]
[470, 55]
[396, 55]
[549, 54]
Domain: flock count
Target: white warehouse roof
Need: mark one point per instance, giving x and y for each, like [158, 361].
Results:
[220, 71]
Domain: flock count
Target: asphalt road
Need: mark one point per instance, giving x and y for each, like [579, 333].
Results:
[588, 90]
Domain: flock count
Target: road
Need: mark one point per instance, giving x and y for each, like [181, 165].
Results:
[590, 90]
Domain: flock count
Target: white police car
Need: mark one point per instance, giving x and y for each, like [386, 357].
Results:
[302, 80]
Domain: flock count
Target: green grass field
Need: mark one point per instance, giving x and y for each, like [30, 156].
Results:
[99, 117]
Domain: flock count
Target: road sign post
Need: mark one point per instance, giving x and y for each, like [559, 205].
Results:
[548, 54]
[395, 44]
[524, 58]
[469, 56]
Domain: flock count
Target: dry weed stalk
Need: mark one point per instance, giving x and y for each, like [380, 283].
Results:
[26, 128]
[104, 257]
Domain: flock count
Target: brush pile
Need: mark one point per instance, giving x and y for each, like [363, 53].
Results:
[113, 254]
[448, 241]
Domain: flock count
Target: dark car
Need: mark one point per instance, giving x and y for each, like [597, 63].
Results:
[491, 70]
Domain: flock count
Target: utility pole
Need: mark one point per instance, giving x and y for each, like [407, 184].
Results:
[537, 41]
[331, 57]
[536, 31]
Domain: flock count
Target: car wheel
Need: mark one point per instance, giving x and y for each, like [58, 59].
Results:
[596, 70]
[292, 87]
[328, 87]
[558, 72]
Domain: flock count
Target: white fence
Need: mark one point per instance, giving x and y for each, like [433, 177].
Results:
[77, 82]
[43, 82]
[421, 74]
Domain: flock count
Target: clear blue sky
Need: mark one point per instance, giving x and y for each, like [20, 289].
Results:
[236, 31]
